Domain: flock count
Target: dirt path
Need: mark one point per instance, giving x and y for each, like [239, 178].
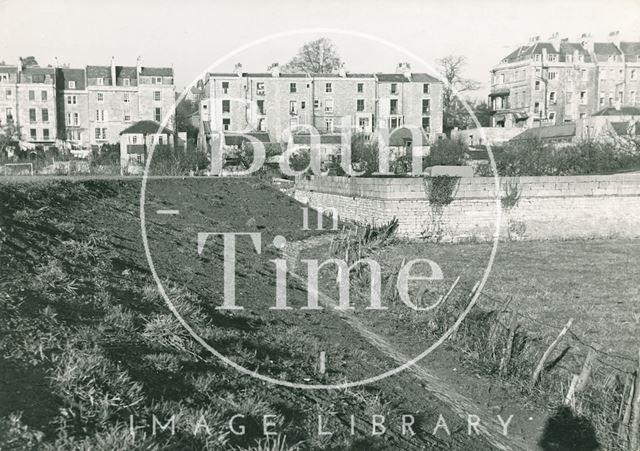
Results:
[445, 391]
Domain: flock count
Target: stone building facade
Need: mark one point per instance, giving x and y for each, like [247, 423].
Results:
[280, 103]
[83, 107]
[556, 81]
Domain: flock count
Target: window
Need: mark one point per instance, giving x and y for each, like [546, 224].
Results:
[536, 107]
[9, 93]
[584, 75]
[425, 88]
[426, 124]
[158, 114]
[260, 106]
[583, 97]
[71, 84]
[134, 139]
[156, 96]
[552, 97]
[100, 97]
[293, 107]
[157, 80]
[71, 100]
[293, 123]
[327, 87]
[45, 134]
[99, 82]
[76, 119]
[261, 126]
[125, 97]
[226, 124]
[127, 116]
[552, 75]
[302, 105]
[43, 96]
[45, 115]
[32, 95]
[620, 74]
[552, 58]
[601, 98]
[426, 106]
[360, 87]
[328, 123]
[620, 96]
[328, 106]
[32, 115]
[501, 78]
[226, 106]
[33, 134]
[537, 85]
[632, 97]
[225, 87]
[363, 123]
[126, 82]
[100, 115]
[292, 87]
[260, 88]
[569, 97]
[316, 104]
[552, 115]
[583, 115]
[4, 77]
[9, 114]
[394, 88]
[393, 106]
[633, 75]
[68, 118]
[360, 105]
[101, 134]
[536, 57]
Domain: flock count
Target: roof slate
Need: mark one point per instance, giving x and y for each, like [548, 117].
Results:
[65, 75]
[548, 132]
[156, 72]
[623, 111]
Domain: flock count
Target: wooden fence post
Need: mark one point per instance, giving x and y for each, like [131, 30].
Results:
[508, 348]
[586, 369]
[547, 353]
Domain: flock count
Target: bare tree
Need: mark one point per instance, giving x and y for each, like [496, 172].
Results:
[319, 56]
[452, 67]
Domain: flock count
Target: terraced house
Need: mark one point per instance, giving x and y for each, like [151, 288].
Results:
[557, 80]
[84, 107]
[281, 103]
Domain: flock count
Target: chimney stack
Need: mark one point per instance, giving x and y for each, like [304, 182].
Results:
[342, 71]
[113, 71]
[404, 69]
[138, 67]
[614, 37]
[274, 69]
[238, 69]
[554, 39]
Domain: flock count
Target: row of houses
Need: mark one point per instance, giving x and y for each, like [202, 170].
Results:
[83, 107]
[288, 106]
[556, 81]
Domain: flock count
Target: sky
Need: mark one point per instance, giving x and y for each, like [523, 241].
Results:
[192, 35]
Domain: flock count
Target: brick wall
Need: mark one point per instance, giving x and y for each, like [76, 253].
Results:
[547, 207]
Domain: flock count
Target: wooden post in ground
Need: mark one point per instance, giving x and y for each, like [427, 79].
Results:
[586, 369]
[634, 432]
[624, 414]
[547, 353]
[570, 399]
[508, 347]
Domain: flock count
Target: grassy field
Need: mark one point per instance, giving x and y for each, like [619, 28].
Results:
[87, 343]
[594, 282]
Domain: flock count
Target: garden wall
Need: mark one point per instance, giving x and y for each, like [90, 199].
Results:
[526, 208]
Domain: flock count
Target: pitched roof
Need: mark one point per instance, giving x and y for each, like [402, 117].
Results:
[156, 72]
[391, 78]
[98, 71]
[324, 139]
[146, 128]
[126, 72]
[350, 75]
[65, 75]
[548, 132]
[422, 78]
[631, 50]
[605, 48]
[236, 139]
[623, 111]
[9, 69]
